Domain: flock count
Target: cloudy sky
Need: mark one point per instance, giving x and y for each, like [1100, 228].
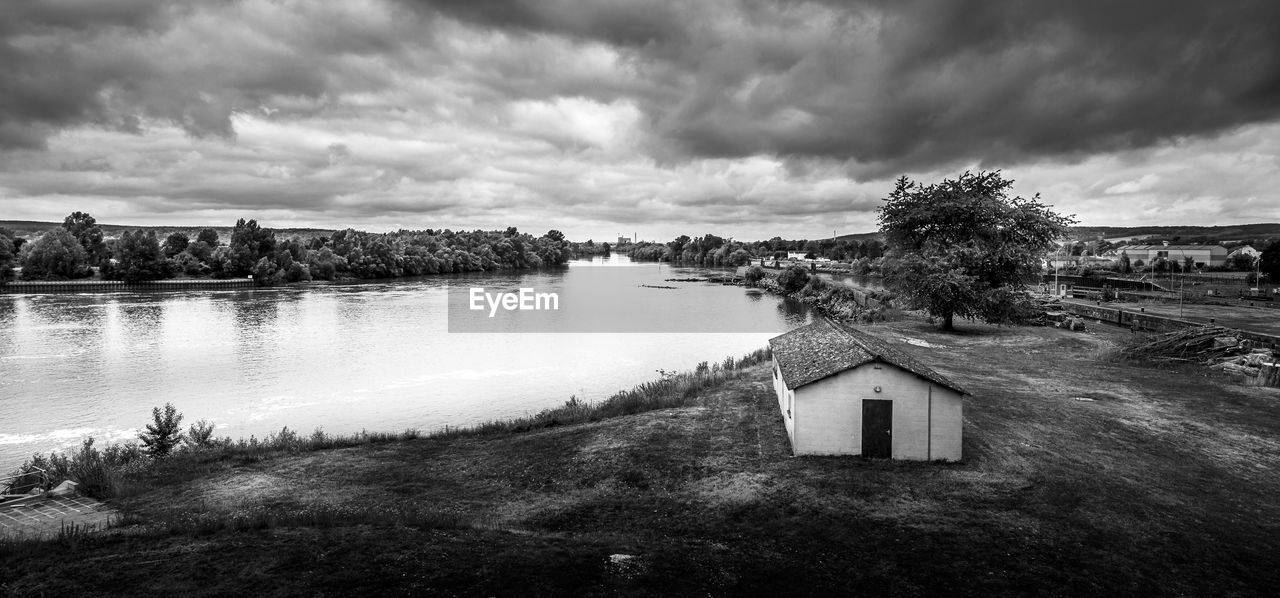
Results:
[741, 117]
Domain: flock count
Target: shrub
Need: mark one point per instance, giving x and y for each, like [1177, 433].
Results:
[200, 435]
[165, 431]
[753, 275]
[793, 279]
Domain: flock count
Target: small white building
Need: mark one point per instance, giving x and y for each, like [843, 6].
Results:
[844, 392]
[796, 255]
[1244, 250]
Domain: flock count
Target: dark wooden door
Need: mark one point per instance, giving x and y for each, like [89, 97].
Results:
[877, 428]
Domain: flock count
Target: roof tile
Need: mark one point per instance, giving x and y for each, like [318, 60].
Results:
[824, 348]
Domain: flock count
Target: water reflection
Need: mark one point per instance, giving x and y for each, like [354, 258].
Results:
[371, 356]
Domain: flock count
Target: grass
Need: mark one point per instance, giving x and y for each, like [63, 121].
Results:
[107, 473]
[1164, 484]
[671, 390]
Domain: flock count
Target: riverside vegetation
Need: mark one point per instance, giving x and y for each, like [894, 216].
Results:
[1082, 475]
[72, 251]
[117, 469]
[835, 300]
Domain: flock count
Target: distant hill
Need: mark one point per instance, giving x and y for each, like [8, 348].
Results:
[860, 237]
[1208, 234]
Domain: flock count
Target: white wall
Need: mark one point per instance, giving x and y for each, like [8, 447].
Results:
[828, 414]
[1201, 256]
[786, 401]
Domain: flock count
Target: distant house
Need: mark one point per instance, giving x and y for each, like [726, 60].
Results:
[1202, 255]
[1244, 250]
[844, 392]
[797, 255]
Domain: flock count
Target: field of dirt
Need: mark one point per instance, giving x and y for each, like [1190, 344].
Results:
[1082, 476]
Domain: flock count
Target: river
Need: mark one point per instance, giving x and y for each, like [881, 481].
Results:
[376, 356]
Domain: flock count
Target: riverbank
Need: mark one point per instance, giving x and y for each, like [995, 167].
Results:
[107, 286]
[843, 302]
[1082, 476]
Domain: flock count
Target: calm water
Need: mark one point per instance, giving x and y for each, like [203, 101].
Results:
[375, 356]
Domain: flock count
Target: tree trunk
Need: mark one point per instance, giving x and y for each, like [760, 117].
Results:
[947, 323]
[1269, 375]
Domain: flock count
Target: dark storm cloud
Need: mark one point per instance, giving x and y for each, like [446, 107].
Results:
[883, 86]
[754, 114]
[620, 22]
[109, 63]
[910, 85]
[43, 87]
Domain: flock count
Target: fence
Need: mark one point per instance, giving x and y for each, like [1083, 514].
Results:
[18, 485]
[95, 286]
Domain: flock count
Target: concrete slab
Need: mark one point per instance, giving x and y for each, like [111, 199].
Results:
[46, 517]
[1265, 320]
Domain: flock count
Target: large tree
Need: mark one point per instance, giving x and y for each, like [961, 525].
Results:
[209, 236]
[139, 257]
[249, 244]
[964, 247]
[85, 229]
[55, 255]
[175, 243]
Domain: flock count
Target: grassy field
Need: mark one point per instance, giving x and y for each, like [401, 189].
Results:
[1165, 482]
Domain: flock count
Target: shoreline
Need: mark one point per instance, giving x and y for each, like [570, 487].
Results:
[1055, 493]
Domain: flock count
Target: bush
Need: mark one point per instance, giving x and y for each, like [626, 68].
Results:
[793, 279]
[200, 435]
[97, 472]
[56, 255]
[753, 275]
[164, 433]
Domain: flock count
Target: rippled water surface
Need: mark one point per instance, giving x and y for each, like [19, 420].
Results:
[375, 356]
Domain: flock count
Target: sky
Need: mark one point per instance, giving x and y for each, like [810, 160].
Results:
[743, 118]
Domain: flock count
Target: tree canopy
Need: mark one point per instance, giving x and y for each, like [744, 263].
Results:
[55, 255]
[140, 257]
[964, 246]
[85, 229]
[1269, 262]
[6, 256]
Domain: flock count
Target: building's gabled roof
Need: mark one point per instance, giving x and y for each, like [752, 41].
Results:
[1213, 249]
[824, 348]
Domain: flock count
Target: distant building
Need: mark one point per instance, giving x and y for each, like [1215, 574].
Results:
[796, 255]
[1245, 250]
[624, 240]
[844, 392]
[1202, 255]
[1067, 261]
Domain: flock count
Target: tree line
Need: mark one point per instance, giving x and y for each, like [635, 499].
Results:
[713, 250]
[78, 247]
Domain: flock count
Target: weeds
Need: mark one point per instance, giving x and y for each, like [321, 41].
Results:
[672, 389]
[107, 473]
